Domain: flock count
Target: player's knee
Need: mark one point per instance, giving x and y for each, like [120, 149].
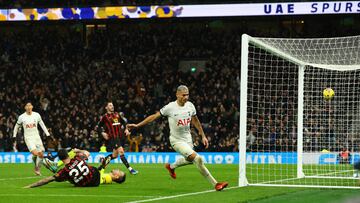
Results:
[199, 160]
[191, 157]
[40, 154]
[121, 151]
[35, 153]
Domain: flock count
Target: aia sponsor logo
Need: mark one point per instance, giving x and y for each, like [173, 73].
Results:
[31, 125]
[184, 122]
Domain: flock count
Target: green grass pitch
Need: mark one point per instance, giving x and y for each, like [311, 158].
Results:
[153, 182]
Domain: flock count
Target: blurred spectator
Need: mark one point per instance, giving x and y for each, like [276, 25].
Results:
[344, 156]
[134, 142]
[52, 145]
[2, 142]
[103, 148]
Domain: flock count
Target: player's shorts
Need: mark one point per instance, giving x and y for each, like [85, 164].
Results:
[184, 148]
[95, 181]
[114, 143]
[34, 143]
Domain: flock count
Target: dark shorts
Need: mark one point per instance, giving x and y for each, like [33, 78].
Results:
[114, 143]
[95, 181]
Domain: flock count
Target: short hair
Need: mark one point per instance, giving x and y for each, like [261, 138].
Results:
[63, 154]
[182, 88]
[121, 179]
[27, 102]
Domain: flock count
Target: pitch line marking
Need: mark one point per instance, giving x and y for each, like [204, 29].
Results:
[181, 195]
[30, 177]
[74, 195]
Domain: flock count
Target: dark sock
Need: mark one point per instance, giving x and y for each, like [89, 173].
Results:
[34, 158]
[125, 162]
[110, 155]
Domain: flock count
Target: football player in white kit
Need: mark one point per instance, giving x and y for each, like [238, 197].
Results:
[181, 113]
[29, 121]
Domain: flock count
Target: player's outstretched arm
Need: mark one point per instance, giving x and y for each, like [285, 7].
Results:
[196, 122]
[147, 120]
[43, 127]
[41, 182]
[80, 152]
[99, 129]
[16, 129]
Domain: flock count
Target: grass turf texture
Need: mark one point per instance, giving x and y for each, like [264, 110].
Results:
[152, 182]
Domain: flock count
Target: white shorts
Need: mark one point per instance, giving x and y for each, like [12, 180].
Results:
[34, 143]
[184, 148]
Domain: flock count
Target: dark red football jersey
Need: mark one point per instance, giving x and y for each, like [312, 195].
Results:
[79, 173]
[113, 124]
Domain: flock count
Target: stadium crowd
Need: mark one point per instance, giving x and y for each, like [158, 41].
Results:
[69, 75]
[69, 80]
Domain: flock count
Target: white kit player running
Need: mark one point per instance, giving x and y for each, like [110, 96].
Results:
[29, 122]
[181, 113]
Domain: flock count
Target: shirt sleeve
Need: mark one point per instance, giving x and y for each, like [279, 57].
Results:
[99, 125]
[122, 117]
[19, 121]
[17, 126]
[193, 112]
[42, 124]
[165, 111]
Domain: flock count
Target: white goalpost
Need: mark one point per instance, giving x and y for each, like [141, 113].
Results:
[290, 135]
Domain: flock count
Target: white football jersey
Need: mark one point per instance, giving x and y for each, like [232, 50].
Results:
[30, 124]
[179, 118]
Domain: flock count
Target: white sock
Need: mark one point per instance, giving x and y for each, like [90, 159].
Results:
[180, 162]
[38, 162]
[199, 162]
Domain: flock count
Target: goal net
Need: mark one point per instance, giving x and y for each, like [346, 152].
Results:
[290, 135]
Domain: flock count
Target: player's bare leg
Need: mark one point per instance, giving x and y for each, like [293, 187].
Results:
[39, 157]
[199, 162]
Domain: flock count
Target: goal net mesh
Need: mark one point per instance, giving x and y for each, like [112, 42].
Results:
[330, 128]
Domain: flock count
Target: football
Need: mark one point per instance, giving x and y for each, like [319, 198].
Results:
[328, 93]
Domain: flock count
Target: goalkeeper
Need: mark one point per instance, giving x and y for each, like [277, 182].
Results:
[77, 172]
[48, 161]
